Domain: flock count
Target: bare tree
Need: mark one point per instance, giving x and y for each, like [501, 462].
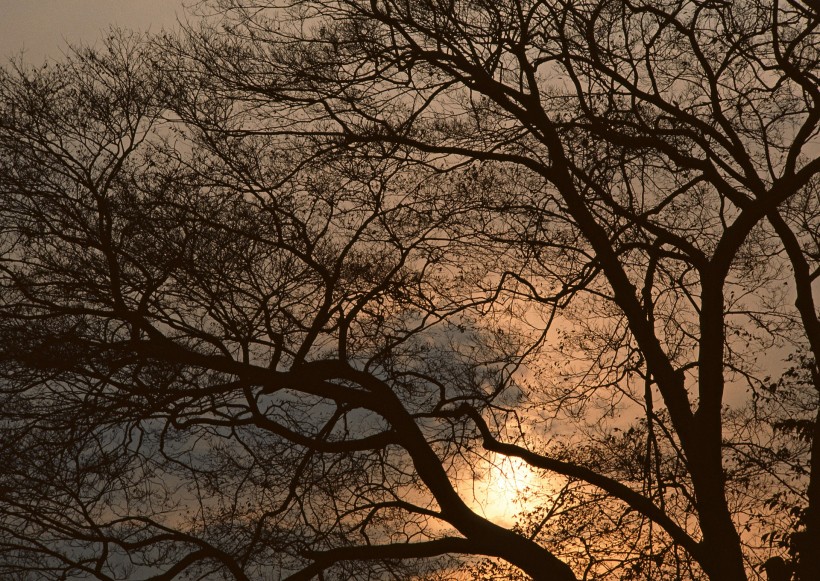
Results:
[668, 136]
[227, 354]
[272, 289]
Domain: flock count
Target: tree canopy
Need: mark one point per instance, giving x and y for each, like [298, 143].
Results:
[282, 291]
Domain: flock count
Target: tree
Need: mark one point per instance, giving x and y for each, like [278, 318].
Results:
[216, 352]
[312, 262]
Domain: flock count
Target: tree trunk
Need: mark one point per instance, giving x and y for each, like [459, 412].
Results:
[806, 544]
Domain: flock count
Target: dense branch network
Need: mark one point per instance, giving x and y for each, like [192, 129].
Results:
[277, 291]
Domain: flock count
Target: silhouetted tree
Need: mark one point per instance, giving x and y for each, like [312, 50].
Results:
[274, 289]
[229, 353]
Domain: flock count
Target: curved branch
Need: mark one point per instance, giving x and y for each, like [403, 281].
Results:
[325, 559]
[635, 500]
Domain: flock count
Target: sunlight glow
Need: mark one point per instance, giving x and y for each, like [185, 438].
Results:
[506, 489]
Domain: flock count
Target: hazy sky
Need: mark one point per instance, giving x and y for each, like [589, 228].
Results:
[42, 28]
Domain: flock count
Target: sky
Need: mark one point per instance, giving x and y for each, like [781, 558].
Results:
[44, 28]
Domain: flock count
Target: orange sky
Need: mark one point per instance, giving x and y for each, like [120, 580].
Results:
[43, 27]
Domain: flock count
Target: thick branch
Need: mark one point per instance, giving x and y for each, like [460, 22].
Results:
[325, 559]
[635, 500]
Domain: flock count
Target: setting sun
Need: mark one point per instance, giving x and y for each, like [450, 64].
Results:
[502, 492]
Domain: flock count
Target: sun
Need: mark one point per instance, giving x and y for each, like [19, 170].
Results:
[503, 491]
